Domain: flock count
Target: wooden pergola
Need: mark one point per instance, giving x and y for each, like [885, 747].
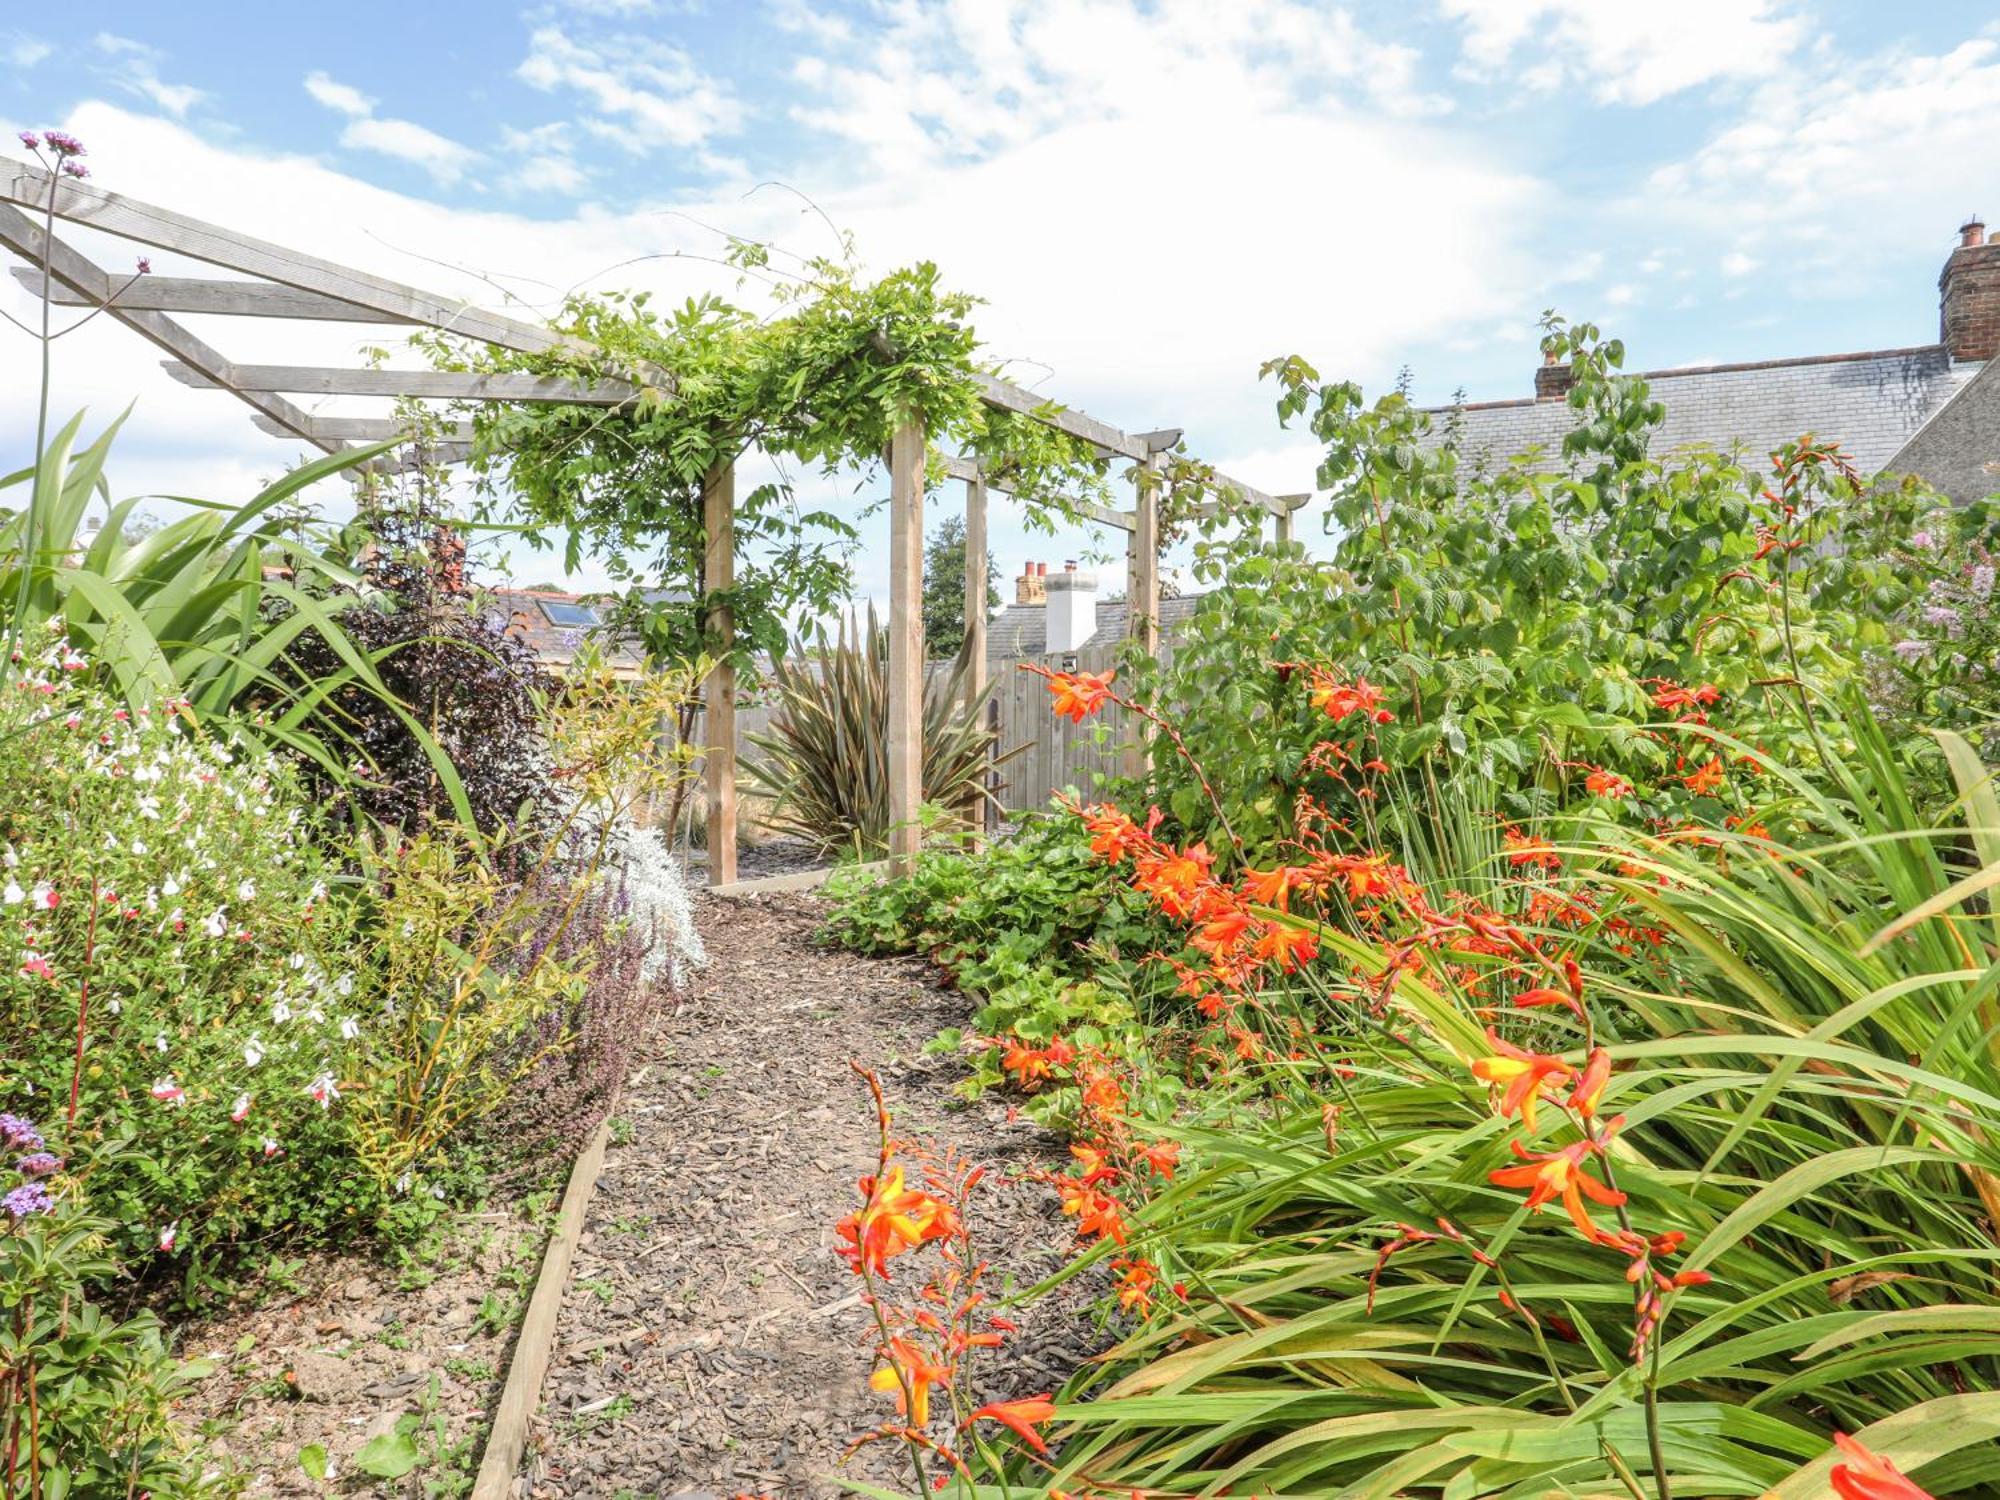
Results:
[292, 285]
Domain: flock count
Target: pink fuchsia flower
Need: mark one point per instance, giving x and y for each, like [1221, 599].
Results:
[34, 966]
[240, 1110]
[272, 1148]
[168, 1092]
[44, 895]
[322, 1090]
[168, 1237]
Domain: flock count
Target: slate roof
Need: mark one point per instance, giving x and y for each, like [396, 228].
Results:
[1023, 629]
[1872, 403]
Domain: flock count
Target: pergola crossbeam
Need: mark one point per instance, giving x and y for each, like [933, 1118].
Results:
[85, 203]
[444, 385]
[73, 269]
[371, 430]
[199, 294]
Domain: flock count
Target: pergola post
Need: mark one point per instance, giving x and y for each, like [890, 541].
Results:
[1142, 596]
[906, 645]
[975, 589]
[718, 572]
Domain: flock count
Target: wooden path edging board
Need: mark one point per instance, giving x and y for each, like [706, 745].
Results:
[536, 1341]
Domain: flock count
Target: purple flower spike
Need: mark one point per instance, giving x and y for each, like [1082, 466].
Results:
[145, 266]
[30, 1198]
[32, 141]
[75, 168]
[41, 1164]
[17, 1134]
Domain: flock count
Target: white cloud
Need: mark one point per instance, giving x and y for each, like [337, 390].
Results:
[549, 163]
[1850, 168]
[1626, 51]
[646, 94]
[446, 160]
[24, 51]
[138, 73]
[344, 98]
[1736, 263]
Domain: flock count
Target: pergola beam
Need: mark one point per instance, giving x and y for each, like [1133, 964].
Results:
[73, 269]
[85, 203]
[444, 385]
[371, 430]
[957, 467]
[199, 294]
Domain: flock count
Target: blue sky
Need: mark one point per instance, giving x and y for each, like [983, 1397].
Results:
[1154, 195]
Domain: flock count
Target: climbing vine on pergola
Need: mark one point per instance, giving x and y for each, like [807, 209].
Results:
[848, 372]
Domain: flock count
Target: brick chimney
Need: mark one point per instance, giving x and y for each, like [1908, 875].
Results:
[1072, 618]
[1969, 295]
[448, 560]
[1552, 379]
[1031, 587]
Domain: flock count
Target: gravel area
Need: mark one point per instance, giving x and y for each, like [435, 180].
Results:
[711, 1342]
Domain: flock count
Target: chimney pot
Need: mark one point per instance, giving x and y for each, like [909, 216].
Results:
[1552, 379]
[1072, 616]
[1028, 587]
[1969, 296]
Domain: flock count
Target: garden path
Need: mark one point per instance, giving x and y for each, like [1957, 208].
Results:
[711, 1342]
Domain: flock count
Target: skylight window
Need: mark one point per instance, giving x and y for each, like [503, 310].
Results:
[566, 612]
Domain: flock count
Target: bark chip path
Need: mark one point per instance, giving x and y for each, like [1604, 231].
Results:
[711, 1343]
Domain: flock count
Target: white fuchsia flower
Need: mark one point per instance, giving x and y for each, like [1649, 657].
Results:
[168, 1092]
[281, 1010]
[271, 1149]
[246, 890]
[160, 1042]
[44, 896]
[240, 1110]
[168, 1236]
[12, 893]
[215, 923]
[253, 1051]
[349, 1028]
[322, 1090]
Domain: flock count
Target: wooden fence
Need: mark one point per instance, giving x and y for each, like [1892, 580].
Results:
[1053, 754]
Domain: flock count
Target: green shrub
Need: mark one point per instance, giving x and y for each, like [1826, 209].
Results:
[85, 1397]
[164, 907]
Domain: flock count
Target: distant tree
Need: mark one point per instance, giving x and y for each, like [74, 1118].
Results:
[944, 587]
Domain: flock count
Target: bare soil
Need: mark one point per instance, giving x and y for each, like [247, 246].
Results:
[711, 1341]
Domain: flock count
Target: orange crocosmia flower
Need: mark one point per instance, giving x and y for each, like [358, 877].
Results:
[1023, 1416]
[1590, 1085]
[1869, 1476]
[1103, 1093]
[1096, 1213]
[1523, 850]
[1078, 695]
[1095, 1168]
[1029, 1065]
[1706, 781]
[1112, 834]
[1559, 1174]
[1221, 932]
[1671, 695]
[1135, 1285]
[1286, 946]
[895, 1219]
[1337, 699]
[1273, 887]
[1163, 1157]
[1603, 783]
[1521, 1075]
[910, 1373]
[1176, 878]
[1540, 996]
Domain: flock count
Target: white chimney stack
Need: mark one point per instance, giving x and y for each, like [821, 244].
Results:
[1072, 610]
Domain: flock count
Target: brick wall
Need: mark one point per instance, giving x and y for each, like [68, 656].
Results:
[1969, 302]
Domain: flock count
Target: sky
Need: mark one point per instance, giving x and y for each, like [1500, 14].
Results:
[1151, 196]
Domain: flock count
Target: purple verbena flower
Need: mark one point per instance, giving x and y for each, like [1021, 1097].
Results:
[17, 1134]
[63, 143]
[74, 169]
[145, 266]
[32, 141]
[41, 1164]
[29, 1198]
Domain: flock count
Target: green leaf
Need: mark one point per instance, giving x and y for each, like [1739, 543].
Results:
[312, 1459]
[390, 1456]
